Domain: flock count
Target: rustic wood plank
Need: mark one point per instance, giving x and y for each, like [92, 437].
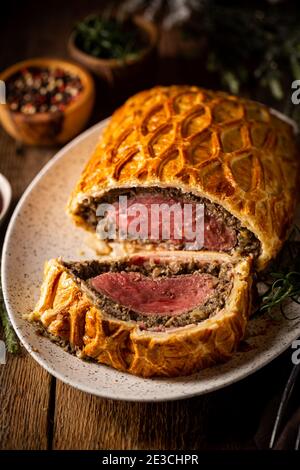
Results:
[86, 422]
[20, 168]
[106, 424]
[24, 398]
[225, 419]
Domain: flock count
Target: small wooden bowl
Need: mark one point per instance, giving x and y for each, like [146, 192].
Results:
[50, 128]
[120, 72]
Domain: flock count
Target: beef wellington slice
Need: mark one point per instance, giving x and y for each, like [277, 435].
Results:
[150, 314]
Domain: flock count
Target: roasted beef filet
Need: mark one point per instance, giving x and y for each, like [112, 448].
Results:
[155, 292]
[222, 231]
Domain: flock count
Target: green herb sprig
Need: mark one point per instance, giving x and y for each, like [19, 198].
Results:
[285, 286]
[11, 340]
[282, 278]
[108, 38]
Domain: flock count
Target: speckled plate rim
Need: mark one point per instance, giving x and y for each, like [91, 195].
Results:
[225, 374]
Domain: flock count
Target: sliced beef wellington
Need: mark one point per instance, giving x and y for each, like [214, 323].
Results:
[163, 309]
[222, 231]
[158, 314]
[183, 143]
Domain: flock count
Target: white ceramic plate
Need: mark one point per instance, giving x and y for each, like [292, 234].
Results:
[39, 229]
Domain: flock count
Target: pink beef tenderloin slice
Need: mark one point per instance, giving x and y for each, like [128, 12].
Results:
[217, 236]
[166, 296]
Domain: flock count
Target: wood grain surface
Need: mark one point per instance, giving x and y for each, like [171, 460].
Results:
[24, 398]
[40, 412]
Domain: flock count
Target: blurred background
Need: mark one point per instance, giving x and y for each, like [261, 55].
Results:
[246, 47]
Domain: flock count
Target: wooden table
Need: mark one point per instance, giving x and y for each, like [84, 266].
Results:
[39, 412]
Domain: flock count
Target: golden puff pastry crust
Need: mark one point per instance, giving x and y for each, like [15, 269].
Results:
[68, 315]
[235, 152]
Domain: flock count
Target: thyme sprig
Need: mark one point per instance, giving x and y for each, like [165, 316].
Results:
[285, 286]
[10, 337]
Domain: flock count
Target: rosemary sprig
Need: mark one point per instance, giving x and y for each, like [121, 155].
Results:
[282, 278]
[11, 340]
[285, 286]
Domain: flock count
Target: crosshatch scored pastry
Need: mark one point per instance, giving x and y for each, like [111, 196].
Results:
[184, 143]
[169, 311]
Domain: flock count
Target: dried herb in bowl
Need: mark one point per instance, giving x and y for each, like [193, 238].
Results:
[109, 38]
